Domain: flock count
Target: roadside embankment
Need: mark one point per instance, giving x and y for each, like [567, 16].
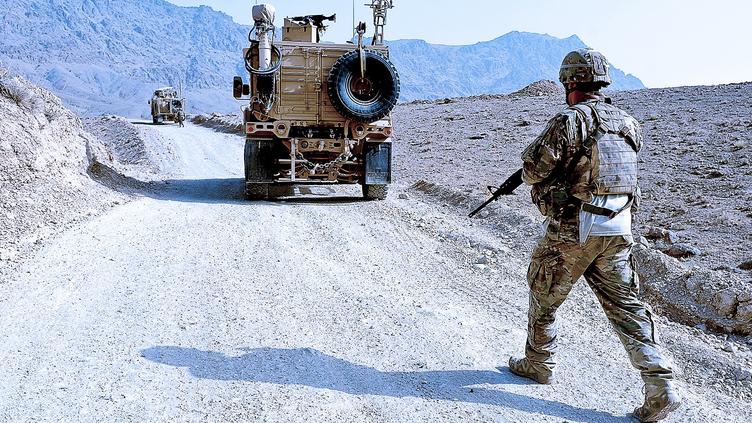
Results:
[56, 170]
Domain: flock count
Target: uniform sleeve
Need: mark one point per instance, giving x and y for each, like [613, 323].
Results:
[638, 135]
[543, 156]
[633, 132]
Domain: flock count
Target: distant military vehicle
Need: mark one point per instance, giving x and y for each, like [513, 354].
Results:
[167, 106]
[318, 113]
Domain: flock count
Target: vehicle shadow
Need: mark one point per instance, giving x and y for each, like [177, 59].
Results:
[232, 191]
[312, 368]
[211, 191]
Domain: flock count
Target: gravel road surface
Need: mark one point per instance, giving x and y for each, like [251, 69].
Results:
[190, 304]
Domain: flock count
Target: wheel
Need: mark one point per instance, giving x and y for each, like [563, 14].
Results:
[365, 99]
[155, 120]
[279, 190]
[256, 191]
[375, 192]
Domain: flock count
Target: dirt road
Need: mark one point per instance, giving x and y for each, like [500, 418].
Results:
[189, 304]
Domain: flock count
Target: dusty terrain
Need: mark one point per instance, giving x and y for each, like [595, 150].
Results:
[189, 304]
[695, 223]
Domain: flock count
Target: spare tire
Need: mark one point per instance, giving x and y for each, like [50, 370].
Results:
[364, 99]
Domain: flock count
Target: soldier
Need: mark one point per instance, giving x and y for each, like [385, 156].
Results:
[583, 172]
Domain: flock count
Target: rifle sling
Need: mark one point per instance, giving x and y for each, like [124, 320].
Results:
[602, 211]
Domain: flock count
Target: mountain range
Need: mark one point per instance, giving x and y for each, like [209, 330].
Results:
[500, 66]
[105, 56]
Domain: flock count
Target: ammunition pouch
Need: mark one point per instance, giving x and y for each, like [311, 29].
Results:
[561, 205]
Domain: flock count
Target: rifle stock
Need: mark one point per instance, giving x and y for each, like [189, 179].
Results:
[507, 188]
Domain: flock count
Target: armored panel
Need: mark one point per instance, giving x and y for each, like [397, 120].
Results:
[294, 31]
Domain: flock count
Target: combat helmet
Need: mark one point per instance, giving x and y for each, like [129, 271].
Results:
[585, 65]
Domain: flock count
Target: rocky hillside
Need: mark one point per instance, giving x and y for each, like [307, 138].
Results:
[102, 56]
[503, 65]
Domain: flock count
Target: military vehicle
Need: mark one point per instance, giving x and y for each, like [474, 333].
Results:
[167, 106]
[317, 113]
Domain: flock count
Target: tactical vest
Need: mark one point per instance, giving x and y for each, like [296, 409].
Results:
[605, 164]
[612, 149]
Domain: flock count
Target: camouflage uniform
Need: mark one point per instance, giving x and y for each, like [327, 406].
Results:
[560, 258]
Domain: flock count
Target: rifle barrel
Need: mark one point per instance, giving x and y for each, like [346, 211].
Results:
[483, 206]
[507, 188]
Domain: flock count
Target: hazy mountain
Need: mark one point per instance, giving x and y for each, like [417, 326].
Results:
[108, 56]
[503, 65]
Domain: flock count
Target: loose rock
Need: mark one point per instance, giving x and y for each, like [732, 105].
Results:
[682, 251]
[725, 302]
[656, 233]
[744, 313]
[747, 265]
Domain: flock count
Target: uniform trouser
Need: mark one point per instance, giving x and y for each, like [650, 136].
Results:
[608, 267]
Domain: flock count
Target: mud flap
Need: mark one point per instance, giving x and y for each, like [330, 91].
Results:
[378, 164]
[259, 160]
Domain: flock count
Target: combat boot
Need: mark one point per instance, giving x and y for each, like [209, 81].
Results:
[661, 399]
[537, 372]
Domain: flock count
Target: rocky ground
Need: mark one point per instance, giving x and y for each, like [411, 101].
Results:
[186, 303]
[457, 146]
[134, 149]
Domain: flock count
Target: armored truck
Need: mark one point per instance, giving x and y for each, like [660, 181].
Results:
[316, 113]
[167, 106]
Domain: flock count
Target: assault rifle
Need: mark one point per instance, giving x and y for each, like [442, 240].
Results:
[507, 188]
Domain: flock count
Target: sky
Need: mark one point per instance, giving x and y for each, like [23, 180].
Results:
[663, 42]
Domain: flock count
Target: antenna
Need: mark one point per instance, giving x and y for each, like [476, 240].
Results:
[353, 22]
[380, 7]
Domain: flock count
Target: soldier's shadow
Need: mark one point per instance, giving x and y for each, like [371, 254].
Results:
[308, 367]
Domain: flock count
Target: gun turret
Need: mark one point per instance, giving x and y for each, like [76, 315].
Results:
[317, 20]
[301, 28]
